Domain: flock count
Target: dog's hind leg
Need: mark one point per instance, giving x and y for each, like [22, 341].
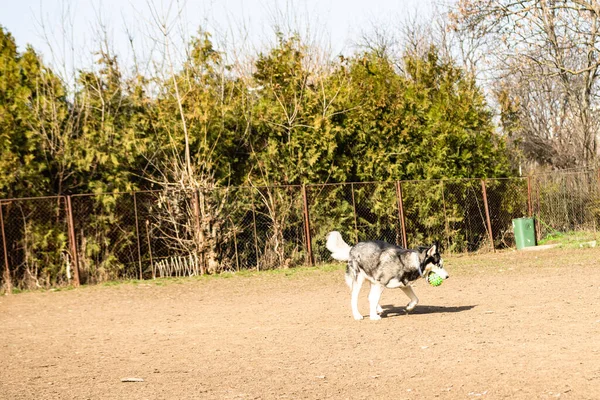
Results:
[356, 285]
[374, 296]
[408, 290]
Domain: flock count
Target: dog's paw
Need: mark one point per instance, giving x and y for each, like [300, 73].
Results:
[357, 317]
[411, 306]
[374, 317]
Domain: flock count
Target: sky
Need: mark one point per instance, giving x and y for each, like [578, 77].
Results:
[66, 32]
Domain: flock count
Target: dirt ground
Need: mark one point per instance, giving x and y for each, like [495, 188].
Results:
[518, 325]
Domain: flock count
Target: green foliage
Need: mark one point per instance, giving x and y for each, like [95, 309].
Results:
[430, 122]
[294, 137]
[105, 143]
[295, 121]
[21, 170]
[199, 99]
[203, 125]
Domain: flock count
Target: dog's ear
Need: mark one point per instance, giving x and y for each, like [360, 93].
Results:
[433, 250]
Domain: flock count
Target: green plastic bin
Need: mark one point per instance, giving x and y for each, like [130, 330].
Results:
[524, 229]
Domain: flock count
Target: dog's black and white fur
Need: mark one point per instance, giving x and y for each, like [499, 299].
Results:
[384, 265]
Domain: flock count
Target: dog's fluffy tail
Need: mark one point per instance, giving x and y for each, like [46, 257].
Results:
[339, 249]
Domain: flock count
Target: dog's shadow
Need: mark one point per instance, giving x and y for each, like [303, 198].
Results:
[394, 311]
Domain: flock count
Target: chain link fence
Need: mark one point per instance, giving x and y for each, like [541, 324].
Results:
[359, 211]
[35, 242]
[566, 202]
[52, 241]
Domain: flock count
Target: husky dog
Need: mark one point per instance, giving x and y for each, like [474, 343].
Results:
[384, 265]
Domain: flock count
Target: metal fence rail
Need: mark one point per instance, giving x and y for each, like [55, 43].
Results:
[53, 241]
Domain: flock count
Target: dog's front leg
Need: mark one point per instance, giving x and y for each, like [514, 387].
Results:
[356, 285]
[374, 296]
[408, 290]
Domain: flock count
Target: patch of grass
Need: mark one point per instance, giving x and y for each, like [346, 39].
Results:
[113, 283]
[290, 272]
[62, 288]
[16, 290]
[570, 239]
[123, 282]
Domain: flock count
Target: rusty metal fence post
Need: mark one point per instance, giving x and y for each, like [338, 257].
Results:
[6, 268]
[235, 245]
[72, 242]
[529, 205]
[401, 212]
[309, 257]
[150, 249]
[137, 234]
[538, 229]
[198, 235]
[255, 233]
[487, 214]
[530, 208]
[354, 213]
[446, 225]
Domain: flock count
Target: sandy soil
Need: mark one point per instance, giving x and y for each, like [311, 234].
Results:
[518, 325]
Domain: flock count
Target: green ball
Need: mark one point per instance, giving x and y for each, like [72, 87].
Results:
[434, 279]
